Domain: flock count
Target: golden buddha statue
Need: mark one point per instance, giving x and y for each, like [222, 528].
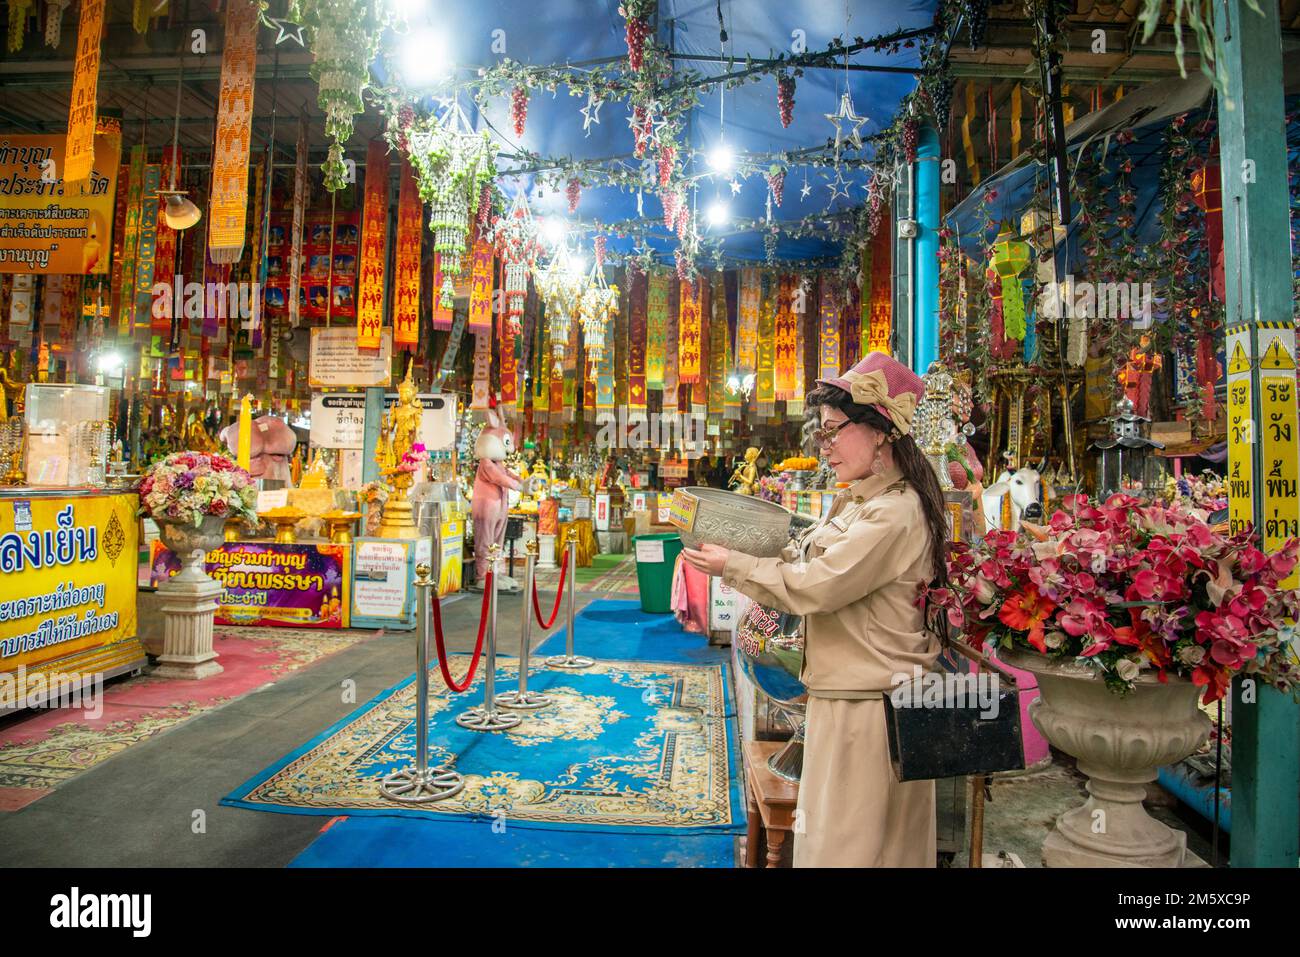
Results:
[400, 431]
[745, 478]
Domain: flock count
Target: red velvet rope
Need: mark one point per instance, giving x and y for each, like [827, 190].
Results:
[478, 647]
[559, 594]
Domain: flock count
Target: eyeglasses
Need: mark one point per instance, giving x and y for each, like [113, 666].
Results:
[824, 437]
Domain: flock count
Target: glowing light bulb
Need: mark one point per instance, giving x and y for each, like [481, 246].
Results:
[720, 158]
[422, 58]
[719, 213]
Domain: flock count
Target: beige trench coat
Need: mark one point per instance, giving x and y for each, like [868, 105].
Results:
[866, 560]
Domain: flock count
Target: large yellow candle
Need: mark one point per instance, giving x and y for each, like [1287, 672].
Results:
[245, 456]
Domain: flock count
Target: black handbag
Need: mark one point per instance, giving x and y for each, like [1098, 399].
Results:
[950, 722]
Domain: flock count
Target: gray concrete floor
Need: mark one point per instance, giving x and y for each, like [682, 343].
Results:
[155, 804]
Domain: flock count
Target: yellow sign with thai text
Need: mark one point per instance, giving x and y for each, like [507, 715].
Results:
[67, 576]
[48, 227]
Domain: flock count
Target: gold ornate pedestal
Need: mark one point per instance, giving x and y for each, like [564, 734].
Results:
[284, 520]
[397, 520]
[340, 525]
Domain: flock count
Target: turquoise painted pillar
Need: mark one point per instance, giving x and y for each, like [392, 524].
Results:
[925, 335]
[1257, 261]
[374, 422]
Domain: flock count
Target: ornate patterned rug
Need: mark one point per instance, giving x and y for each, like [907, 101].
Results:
[40, 750]
[629, 745]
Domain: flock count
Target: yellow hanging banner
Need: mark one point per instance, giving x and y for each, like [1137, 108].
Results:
[80, 153]
[966, 143]
[1017, 110]
[229, 204]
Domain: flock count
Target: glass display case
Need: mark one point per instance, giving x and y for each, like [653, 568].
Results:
[68, 434]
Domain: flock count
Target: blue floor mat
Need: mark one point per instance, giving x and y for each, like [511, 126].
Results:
[610, 628]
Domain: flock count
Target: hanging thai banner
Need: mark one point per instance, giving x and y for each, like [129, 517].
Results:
[881, 304]
[670, 339]
[79, 155]
[374, 247]
[718, 347]
[442, 315]
[406, 265]
[120, 206]
[787, 338]
[300, 189]
[638, 288]
[452, 350]
[509, 347]
[656, 354]
[228, 206]
[52, 226]
[766, 391]
[620, 327]
[688, 334]
[482, 370]
[164, 270]
[480, 290]
[574, 364]
[605, 379]
[130, 243]
[852, 327]
[828, 363]
[747, 326]
[251, 323]
[555, 404]
[146, 251]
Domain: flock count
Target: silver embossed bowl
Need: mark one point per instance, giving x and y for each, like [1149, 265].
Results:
[741, 522]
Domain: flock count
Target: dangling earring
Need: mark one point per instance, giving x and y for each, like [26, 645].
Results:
[877, 464]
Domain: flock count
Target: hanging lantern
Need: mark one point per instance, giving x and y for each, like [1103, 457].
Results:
[1125, 462]
[517, 244]
[1010, 257]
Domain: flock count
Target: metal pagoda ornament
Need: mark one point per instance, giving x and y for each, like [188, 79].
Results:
[517, 244]
[1126, 463]
[452, 163]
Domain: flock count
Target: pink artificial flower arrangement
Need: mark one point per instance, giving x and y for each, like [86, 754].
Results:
[1130, 587]
[415, 459]
[189, 486]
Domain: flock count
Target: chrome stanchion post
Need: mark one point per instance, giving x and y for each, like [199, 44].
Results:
[569, 659]
[523, 698]
[486, 717]
[420, 784]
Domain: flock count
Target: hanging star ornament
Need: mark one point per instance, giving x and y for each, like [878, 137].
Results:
[836, 186]
[803, 193]
[735, 186]
[287, 31]
[591, 113]
[847, 116]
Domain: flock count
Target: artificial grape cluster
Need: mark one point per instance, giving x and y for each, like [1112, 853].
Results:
[667, 153]
[405, 117]
[599, 245]
[785, 99]
[640, 120]
[484, 208]
[574, 193]
[670, 210]
[636, 33]
[909, 140]
[769, 247]
[776, 183]
[977, 19]
[941, 98]
[519, 109]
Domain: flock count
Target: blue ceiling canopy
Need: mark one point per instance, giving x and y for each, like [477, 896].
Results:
[582, 35]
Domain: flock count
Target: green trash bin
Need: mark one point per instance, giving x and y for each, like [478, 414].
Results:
[656, 555]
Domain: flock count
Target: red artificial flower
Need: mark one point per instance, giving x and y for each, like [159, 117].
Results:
[1027, 611]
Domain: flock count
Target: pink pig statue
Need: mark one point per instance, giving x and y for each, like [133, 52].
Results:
[489, 506]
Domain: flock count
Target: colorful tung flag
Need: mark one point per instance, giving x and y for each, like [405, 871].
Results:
[787, 338]
[656, 357]
[689, 332]
[638, 287]
[79, 152]
[406, 263]
[765, 393]
[228, 205]
[828, 339]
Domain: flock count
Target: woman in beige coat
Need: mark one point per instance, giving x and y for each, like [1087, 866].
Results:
[883, 539]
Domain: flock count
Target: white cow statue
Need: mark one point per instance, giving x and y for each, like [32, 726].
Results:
[1025, 488]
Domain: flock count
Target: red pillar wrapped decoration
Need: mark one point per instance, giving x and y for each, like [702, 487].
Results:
[374, 247]
[1207, 192]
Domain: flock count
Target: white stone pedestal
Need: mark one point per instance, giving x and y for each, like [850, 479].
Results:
[188, 608]
[546, 551]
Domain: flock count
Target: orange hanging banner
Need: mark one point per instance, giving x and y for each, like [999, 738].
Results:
[406, 280]
[480, 289]
[79, 155]
[688, 334]
[442, 315]
[228, 209]
[374, 247]
[787, 339]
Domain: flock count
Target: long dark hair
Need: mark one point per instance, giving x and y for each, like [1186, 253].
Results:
[911, 462]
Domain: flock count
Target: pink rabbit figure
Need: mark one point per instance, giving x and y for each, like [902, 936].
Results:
[493, 483]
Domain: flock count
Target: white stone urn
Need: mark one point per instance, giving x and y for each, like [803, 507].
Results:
[190, 543]
[189, 599]
[1119, 741]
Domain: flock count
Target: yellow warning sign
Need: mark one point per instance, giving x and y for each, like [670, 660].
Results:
[1239, 361]
[1241, 433]
[1280, 443]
